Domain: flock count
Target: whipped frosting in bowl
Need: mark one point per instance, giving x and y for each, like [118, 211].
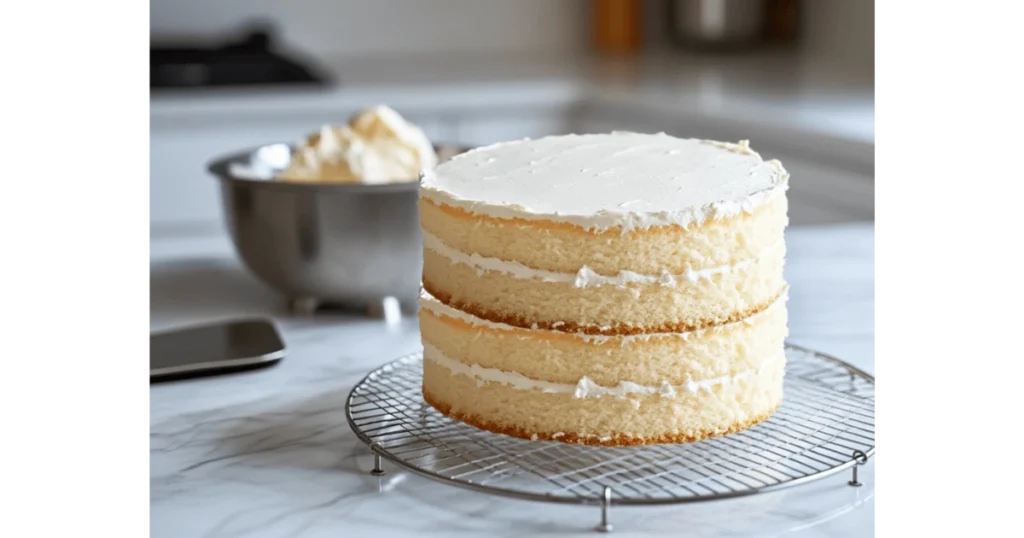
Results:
[377, 146]
[332, 219]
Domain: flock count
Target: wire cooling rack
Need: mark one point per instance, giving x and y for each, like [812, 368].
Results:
[826, 424]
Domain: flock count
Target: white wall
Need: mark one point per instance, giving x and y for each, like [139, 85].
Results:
[343, 27]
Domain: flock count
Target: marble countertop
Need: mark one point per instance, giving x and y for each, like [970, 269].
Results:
[269, 453]
[817, 103]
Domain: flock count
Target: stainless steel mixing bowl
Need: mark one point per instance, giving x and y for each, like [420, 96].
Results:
[352, 245]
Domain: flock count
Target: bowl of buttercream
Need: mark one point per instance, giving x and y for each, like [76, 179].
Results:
[333, 220]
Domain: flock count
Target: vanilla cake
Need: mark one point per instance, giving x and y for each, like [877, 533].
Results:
[609, 289]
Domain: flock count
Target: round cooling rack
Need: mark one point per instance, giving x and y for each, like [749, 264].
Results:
[826, 424]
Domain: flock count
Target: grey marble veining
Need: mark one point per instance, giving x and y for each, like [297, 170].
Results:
[269, 453]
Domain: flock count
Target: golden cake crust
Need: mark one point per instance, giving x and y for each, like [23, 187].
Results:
[566, 247]
[573, 438]
[574, 327]
[728, 350]
[460, 213]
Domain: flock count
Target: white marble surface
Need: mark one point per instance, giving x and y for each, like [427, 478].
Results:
[268, 453]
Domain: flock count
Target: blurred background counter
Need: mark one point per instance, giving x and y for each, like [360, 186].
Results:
[480, 72]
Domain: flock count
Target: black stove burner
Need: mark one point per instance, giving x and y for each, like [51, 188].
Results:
[251, 61]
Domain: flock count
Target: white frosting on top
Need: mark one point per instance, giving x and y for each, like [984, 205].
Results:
[603, 181]
[377, 146]
[430, 303]
[585, 277]
[585, 387]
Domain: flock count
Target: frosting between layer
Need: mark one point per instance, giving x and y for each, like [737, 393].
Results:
[599, 182]
[431, 303]
[585, 387]
[585, 277]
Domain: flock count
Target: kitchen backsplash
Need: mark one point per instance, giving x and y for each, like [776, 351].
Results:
[840, 29]
[360, 27]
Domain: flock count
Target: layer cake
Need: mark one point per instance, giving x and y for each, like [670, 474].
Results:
[608, 289]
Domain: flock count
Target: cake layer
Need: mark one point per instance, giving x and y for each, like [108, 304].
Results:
[605, 289]
[590, 304]
[563, 248]
[647, 359]
[516, 405]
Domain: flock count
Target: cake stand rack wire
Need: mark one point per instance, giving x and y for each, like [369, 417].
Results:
[825, 425]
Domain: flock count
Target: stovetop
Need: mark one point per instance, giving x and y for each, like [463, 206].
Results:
[249, 61]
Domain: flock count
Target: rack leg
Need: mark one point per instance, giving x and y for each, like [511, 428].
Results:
[606, 502]
[861, 458]
[377, 469]
[424, 409]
